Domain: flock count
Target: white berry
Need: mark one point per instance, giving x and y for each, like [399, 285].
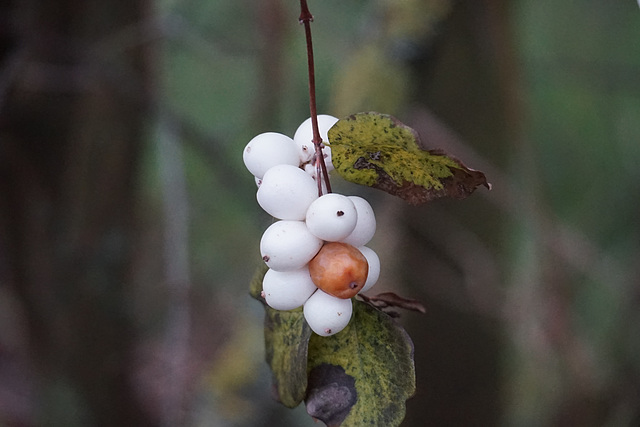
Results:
[286, 192]
[267, 150]
[326, 152]
[365, 227]
[288, 245]
[311, 170]
[374, 267]
[304, 135]
[326, 314]
[332, 217]
[286, 290]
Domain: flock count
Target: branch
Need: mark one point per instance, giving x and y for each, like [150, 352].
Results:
[321, 168]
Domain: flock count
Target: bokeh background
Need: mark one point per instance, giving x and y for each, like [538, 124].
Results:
[129, 229]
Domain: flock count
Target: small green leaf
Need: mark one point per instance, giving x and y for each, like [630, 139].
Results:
[379, 151]
[286, 339]
[362, 375]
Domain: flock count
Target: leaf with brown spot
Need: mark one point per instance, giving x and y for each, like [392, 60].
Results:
[331, 394]
[363, 375]
[379, 151]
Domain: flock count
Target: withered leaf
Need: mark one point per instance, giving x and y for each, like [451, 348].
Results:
[390, 299]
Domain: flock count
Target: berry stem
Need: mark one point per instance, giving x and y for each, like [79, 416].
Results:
[321, 168]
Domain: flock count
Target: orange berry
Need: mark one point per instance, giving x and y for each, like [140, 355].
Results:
[339, 269]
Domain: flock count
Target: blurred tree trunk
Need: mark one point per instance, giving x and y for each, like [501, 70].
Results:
[449, 245]
[73, 100]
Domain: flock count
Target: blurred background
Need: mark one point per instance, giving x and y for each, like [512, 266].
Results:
[129, 229]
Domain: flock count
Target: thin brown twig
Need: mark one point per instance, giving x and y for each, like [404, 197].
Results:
[321, 168]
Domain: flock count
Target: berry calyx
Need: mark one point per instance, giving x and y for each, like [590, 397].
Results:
[339, 269]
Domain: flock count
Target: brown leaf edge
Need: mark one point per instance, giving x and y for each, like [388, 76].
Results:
[459, 185]
[464, 180]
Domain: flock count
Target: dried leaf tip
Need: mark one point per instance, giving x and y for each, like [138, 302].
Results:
[390, 299]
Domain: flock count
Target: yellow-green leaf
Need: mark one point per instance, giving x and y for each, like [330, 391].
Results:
[286, 338]
[362, 375]
[379, 151]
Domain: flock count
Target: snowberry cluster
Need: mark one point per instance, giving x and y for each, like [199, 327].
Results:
[315, 252]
